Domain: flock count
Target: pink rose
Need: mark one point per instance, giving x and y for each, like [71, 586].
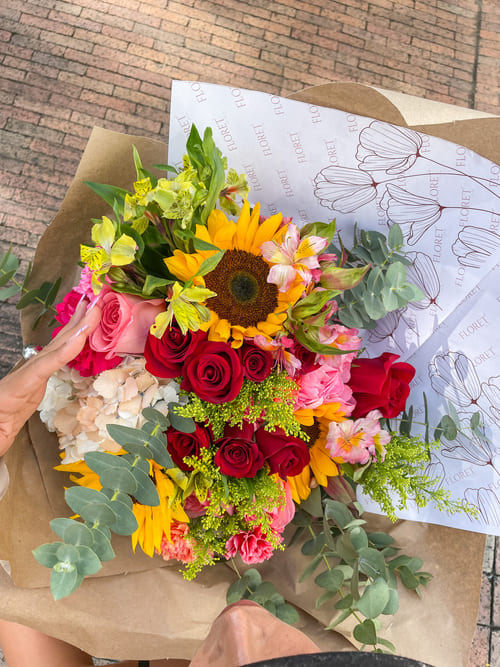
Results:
[125, 323]
[89, 362]
[252, 546]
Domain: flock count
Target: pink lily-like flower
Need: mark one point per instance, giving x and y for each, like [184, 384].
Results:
[294, 255]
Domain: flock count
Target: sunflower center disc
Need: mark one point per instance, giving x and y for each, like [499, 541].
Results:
[244, 297]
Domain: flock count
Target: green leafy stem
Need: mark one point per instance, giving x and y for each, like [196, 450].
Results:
[44, 295]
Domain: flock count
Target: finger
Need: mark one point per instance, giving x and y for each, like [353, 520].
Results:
[55, 356]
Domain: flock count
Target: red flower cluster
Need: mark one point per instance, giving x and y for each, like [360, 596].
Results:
[213, 371]
[242, 452]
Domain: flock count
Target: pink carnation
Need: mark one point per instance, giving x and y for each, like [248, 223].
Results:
[85, 284]
[89, 362]
[179, 546]
[324, 385]
[252, 546]
[342, 338]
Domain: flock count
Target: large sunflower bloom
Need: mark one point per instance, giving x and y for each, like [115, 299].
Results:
[320, 466]
[246, 305]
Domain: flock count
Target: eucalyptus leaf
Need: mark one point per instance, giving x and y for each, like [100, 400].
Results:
[46, 554]
[125, 523]
[77, 534]
[392, 604]
[338, 512]
[156, 417]
[183, 424]
[88, 563]
[101, 461]
[345, 603]
[119, 479]
[263, 592]
[408, 578]
[372, 563]
[146, 492]
[288, 614]
[332, 580]
[365, 632]
[98, 513]
[395, 237]
[314, 546]
[359, 538]
[63, 582]
[374, 599]
[324, 597]
[79, 497]
[102, 545]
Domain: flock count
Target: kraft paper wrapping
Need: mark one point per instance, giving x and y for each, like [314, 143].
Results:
[137, 607]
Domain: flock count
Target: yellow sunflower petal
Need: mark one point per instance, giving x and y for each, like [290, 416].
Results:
[322, 464]
[268, 230]
[299, 485]
[220, 229]
[246, 227]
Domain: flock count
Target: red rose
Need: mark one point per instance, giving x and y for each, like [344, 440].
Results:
[380, 384]
[285, 454]
[213, 372]
[165, 356]
[257, 363]
[237, 457]
[181, 444]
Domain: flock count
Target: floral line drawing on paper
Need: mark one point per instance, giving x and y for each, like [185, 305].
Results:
[487, 503]
[393, 150]
[454, 377]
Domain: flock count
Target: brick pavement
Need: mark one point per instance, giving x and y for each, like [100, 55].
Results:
[66, 66]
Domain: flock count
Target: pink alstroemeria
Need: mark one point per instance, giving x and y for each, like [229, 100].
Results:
[294, 255]
[356, 441]
[281, 349]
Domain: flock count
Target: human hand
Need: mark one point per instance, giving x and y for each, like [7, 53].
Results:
[21, 391]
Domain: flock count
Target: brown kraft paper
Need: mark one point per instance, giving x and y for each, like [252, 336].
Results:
[137, 607]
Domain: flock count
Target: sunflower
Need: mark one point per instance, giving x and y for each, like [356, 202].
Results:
[153, 522]
[246, 304]
[320, 467]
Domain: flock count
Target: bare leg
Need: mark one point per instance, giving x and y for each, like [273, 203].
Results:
[24, 646]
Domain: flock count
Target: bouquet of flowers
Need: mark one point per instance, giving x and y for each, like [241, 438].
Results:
[224, 394]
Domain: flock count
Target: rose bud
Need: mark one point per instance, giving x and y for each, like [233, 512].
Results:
[285, 454]
[180, 445]
[380, 384]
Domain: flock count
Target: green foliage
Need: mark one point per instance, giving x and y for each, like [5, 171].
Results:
[86, 542]
[385, 287]
[216, 526]
[360, 571]
[402, 473]
[274, 397]
[250, 586]
[44, 296]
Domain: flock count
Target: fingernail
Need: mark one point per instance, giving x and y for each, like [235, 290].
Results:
[81, 330]
[93, 303]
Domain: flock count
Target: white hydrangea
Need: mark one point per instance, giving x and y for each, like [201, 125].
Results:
[80, 409]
